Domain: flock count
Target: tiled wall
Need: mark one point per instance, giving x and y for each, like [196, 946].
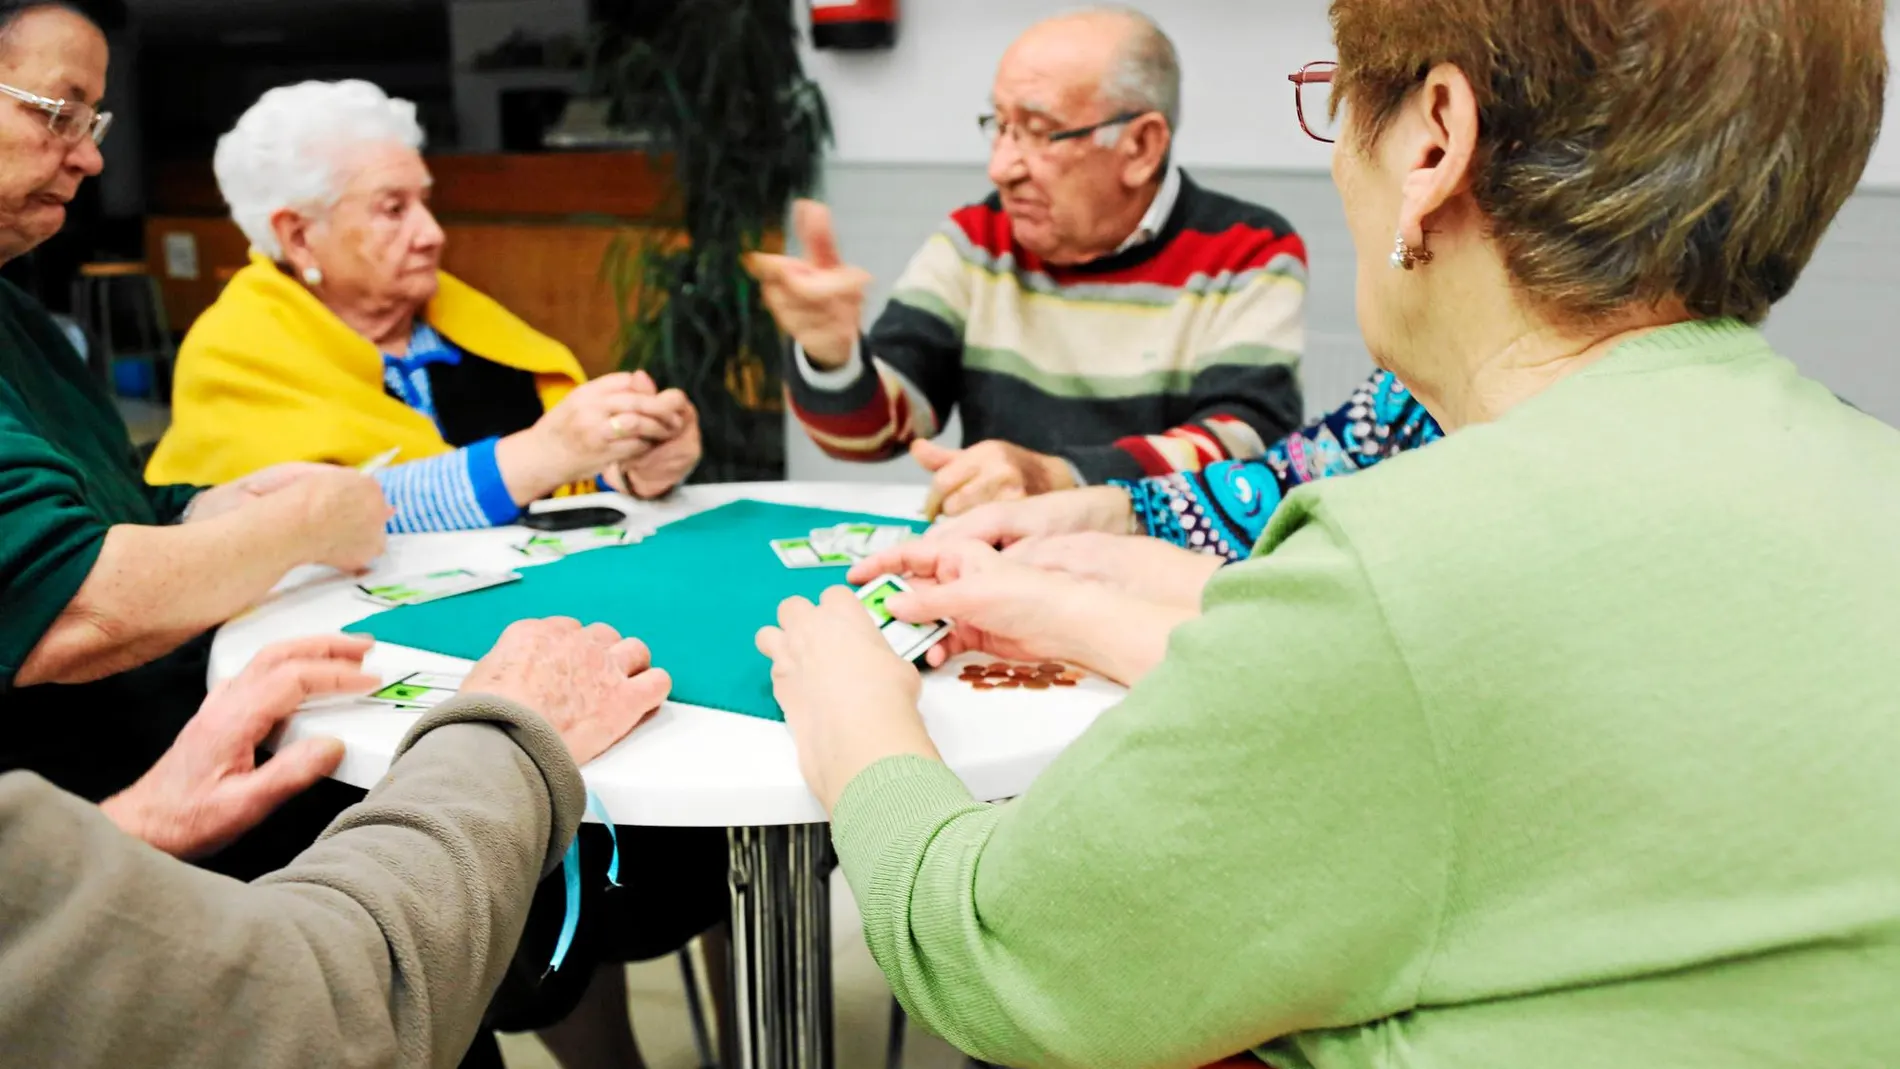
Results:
[1842, 325]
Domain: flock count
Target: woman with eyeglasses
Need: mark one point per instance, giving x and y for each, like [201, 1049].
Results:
[1568, 741]
[109, 585]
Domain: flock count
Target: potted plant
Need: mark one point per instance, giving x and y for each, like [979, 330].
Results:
[719, 86]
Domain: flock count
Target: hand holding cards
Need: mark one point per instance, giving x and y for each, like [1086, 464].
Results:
[908, 641]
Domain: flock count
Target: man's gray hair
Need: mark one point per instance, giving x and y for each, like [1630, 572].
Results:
[1146, 72]
[286, 150]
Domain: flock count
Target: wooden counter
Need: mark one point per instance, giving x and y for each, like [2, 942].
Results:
[530, 231]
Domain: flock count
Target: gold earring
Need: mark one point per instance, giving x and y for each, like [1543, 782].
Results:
[1405, 256]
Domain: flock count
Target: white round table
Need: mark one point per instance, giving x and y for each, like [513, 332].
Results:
[692, 766]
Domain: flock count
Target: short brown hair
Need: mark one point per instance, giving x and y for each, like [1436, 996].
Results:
[1633, 151]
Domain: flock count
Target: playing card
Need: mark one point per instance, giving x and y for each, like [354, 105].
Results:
[828, 539]
[558, 544]
[883, 538]
[909, 641]
[433, 586]
[857, 540]
[854, 538]
[379, 461]
[422, 690]
[801, 553]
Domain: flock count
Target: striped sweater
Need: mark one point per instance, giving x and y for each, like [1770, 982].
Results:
[1167, 356]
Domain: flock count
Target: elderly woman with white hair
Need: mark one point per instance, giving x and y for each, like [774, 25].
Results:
[344, 341]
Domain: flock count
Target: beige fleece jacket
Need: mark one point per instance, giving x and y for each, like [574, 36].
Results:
[379, 946]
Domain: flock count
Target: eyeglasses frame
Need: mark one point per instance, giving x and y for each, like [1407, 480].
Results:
[1318, 72]
[54, 109]
[988, 119]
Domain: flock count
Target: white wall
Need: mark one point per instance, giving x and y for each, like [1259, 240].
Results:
[475, 26]
[918, 102]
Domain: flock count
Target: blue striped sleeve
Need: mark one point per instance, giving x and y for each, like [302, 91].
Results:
[491, 490]
[459, 491]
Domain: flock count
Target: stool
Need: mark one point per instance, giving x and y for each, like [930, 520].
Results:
[121, 306]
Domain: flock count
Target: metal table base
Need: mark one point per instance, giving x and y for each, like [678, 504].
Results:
[781, 947]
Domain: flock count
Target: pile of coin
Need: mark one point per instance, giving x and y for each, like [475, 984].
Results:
[1004, 676]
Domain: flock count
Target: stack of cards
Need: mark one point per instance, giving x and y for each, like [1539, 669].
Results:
[432, 586]
[557, 544]
[843, 544]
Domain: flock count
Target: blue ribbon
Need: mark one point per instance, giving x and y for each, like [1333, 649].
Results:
[571, 873]
[599, 810]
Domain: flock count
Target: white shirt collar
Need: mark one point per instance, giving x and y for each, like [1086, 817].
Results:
[1152, 223]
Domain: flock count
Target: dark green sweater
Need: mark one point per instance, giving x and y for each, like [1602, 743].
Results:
[67, 474]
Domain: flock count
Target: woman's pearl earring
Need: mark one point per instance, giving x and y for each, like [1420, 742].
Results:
[313, 276]
[1405, 256]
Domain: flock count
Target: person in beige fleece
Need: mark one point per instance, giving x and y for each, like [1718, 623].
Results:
[379, 945]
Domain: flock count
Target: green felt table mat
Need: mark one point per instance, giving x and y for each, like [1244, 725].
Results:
[696, 592]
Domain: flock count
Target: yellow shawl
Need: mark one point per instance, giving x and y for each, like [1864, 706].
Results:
[268, 374]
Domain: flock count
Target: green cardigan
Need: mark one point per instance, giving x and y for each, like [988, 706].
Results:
[67, 474]
[1569, 742]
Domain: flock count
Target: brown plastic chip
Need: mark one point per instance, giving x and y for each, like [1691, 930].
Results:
[1062, 681]
[1051, 669]
[984, 684]
[1009, 684]
[1036, 684]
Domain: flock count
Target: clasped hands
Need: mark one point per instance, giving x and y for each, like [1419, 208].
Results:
[641, 439]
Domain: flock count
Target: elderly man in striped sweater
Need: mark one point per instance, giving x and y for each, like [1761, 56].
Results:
[1100, 316]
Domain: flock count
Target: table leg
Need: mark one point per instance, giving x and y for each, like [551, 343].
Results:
[781, 947]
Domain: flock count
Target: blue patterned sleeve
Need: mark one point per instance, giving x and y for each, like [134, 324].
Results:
[1224, 508]
[459, 491]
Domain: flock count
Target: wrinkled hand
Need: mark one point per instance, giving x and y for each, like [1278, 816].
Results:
[229, 497]
[1145, 567]
[603, 422]
[818, 300]
[208, 789]
[848, 699]
[344, 517]
[1004, 523]
[987, 471]
[997, 606]
[589, 683]
[668, 461]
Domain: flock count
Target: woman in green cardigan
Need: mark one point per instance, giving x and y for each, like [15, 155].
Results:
[1568, 742]
[110, 586]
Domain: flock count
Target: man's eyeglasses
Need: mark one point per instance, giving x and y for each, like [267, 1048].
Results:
[69, 121]
[995, 127]
[1313, 101]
